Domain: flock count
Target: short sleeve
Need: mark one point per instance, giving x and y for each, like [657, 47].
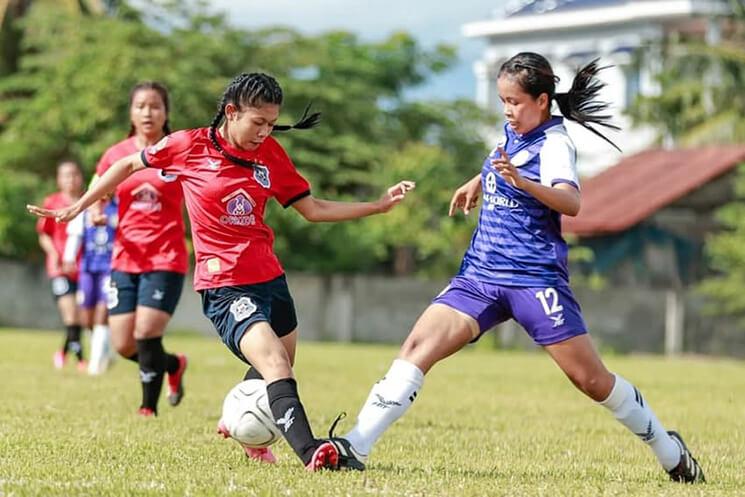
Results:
[558, 160]
[289, 186]
[45, 225]
[107, 159]
[170, 152]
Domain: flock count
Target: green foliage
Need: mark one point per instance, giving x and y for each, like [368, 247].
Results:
[726, 253]
[69, 99]
[486, 423]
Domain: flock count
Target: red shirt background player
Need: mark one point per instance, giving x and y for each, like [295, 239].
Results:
[149, 256]
[228, 172]
[52, 238]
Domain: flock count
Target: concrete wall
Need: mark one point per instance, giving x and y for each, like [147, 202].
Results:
[381, 309]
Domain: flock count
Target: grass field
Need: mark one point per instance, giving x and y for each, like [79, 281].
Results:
[486, 423]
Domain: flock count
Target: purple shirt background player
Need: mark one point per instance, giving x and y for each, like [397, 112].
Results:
[518, 239]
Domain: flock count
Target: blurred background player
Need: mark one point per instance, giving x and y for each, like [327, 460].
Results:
[516, 268]
[52, 237]
[149, 257]
[93, 242]
[229, 171]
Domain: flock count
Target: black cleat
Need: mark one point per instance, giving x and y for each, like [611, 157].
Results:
[688, 470]
[348, 457]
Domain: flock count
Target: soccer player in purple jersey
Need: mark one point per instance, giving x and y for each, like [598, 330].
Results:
[516, 267]
[94, 243]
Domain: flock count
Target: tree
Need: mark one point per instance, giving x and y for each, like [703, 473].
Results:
[68, 99]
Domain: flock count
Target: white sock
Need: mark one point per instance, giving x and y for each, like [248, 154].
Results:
[100, 353]
[629, 407]
[388, 400]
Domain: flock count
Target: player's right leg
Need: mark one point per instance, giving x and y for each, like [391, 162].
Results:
[241, 316]
[439, 332]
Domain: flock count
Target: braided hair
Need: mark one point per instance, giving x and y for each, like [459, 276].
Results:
[254, 90]
[534, 74]
[161, 90]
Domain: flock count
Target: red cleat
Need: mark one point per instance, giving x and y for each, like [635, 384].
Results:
[176, 382]
[82, 366]
[326, 456]
[59, 359]
[146, 412]
[263, 454]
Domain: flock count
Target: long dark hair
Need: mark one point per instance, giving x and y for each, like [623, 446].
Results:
[535, 75]
[254, 90]
[161, 89]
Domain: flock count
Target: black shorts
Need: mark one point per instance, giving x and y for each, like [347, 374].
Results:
[157, 289]
[62, 285]
[233, 309]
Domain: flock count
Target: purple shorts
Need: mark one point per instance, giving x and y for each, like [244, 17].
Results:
[549, 315]
[92, 289]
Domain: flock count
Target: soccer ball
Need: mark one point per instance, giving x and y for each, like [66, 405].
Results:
[247, 417]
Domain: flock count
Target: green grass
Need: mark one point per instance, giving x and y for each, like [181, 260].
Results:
[486, 423]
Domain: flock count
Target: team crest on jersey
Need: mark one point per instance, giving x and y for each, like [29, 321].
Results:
[242, 308]
[213, 164]
[146, 198]
[490, 183]
[239, 206]
[167, 178]
[261, 175]
[154, 149]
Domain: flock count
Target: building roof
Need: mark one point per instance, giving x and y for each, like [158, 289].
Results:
[549, 16]
[640, 185]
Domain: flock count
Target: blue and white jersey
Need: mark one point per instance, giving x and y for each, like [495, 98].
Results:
[97, 242]
[518, 239]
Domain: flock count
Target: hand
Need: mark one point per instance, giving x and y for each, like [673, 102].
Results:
[466, 197]
[69, 267]
[98, 219]
[394, 195]
[507, 170]
[60, 215]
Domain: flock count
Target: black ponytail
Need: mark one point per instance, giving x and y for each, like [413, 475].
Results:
[254, 90]
[535, 75]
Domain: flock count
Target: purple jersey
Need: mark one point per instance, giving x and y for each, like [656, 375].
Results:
[96, 242]
[518, 239]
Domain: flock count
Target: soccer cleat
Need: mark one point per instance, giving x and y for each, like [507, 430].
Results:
[688, 470]
[176, 382]
[146, 412]
[59, 359]
[263, 454]
[324, 457]
[82, 366]
[348, 457]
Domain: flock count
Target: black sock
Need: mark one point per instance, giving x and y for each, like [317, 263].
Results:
[172, 363]
[252, 374]
[72, 341]
[290, 417]
[152, 361]
[133, 358]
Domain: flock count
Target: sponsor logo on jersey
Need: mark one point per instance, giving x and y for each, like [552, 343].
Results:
[492, 201]
[239, 206]
[213, 164]
[146, 198]
[261, 175]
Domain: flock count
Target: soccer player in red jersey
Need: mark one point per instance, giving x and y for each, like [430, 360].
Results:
[229, 171]
[52, 238]
[149, 257]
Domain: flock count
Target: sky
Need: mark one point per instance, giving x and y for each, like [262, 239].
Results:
[429, 21]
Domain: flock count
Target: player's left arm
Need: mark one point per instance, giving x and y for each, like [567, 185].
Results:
[319, 210]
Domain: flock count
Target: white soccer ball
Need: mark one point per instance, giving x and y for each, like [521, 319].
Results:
[246, 415]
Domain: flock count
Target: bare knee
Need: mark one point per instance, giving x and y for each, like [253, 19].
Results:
[596, 384]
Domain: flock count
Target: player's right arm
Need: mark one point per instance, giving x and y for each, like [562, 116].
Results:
[466, 197]
[118, 172]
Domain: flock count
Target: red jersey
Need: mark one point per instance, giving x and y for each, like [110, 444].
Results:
[226, 203]
[57, 232]
[151, 233]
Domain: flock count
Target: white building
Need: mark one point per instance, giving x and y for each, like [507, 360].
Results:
[570, 33]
